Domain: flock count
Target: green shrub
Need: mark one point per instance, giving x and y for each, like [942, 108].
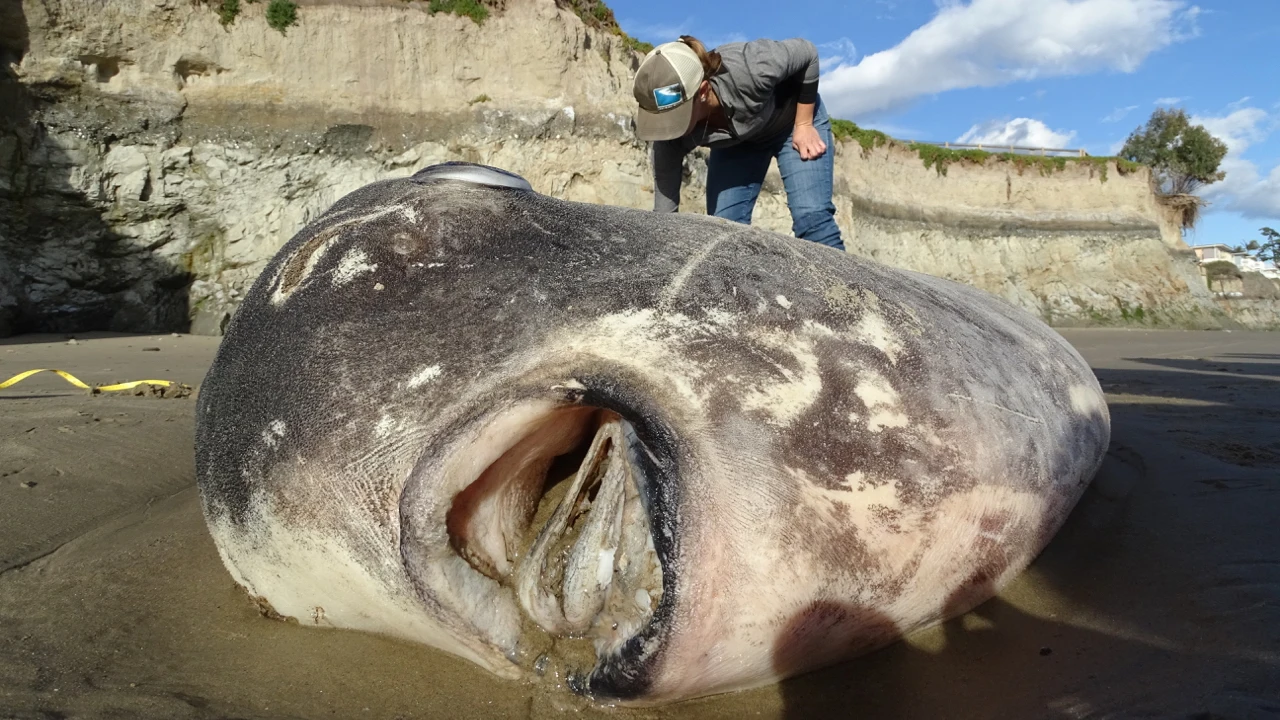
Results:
[1127, 166]
[847, 130]
[227, 11]
[639, 46]
[281, 14]
[465, 8]
[1221, 268]
[1046, 164]
[939, 157]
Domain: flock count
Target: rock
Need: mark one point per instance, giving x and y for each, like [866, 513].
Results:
[126, 168]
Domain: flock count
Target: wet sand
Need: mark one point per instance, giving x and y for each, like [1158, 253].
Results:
[1160, 598]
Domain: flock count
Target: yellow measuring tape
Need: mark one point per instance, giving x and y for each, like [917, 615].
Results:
[76, 381]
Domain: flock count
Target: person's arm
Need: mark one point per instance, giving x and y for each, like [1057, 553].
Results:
[775, 61]
[804, 136]
[668, 173]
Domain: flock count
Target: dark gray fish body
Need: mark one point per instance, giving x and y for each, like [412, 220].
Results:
[777, 455]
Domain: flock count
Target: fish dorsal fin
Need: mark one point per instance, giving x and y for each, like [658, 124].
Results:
[471, 173]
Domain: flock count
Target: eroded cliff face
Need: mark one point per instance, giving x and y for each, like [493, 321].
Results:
[152, 161]
[1082, 245]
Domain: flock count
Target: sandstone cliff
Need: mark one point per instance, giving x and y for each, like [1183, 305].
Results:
[152, 160]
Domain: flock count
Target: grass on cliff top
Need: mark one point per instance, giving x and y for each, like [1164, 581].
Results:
[477, 11]
[598, 15]
[594, 13]
[939, 157]
[281, 14]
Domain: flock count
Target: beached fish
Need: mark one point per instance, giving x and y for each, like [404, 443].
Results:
[681, 455]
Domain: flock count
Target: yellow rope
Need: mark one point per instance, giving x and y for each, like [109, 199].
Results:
[76, 381]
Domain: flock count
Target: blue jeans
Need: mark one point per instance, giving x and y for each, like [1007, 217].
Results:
[734, 176]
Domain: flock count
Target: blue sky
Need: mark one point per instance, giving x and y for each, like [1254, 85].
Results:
[1065, 73]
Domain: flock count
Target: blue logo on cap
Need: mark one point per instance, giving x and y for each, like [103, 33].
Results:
[668, 96]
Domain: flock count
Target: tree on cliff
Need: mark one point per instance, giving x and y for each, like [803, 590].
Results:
[1183, 157]
[1268, 249]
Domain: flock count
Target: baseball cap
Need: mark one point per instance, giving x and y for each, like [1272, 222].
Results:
[664, 86]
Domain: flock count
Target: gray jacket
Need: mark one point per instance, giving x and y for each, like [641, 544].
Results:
[759, 84]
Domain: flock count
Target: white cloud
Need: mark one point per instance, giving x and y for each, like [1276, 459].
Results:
[1239, 129]
[1119, 114]
[1170, 101]
[1023, 132]
[1245, 189]
[836, 53]
[993, 42]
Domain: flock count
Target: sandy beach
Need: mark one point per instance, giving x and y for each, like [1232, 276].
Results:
[1160, 598]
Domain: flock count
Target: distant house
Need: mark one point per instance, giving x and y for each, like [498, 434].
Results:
[1244, 261]
[1210, 253]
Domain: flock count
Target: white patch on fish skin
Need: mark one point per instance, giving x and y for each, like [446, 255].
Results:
[873, 330]
[816, 328]
[1087, 401]
[423, 376]
[785, 400]
[720, 317]
[275, 430]
[353, 264]
[881, 401]
[384, 427]
[784, 302]
[644, 339]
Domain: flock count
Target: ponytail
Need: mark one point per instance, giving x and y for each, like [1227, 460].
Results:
[710, 60]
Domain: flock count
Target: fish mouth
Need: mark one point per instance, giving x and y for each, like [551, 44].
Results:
[562, 523]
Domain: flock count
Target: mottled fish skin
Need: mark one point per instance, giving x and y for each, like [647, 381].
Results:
[833, 452]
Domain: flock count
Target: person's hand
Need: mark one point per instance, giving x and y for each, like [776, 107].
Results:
[806, 140]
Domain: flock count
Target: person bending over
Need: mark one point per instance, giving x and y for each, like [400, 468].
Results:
[749, 102]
